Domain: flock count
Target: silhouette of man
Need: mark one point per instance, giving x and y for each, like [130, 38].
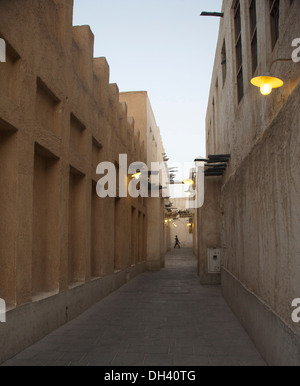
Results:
[177, 242]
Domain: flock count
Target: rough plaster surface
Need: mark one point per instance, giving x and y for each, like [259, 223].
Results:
[260, 190]
[262, 215]
[209, 230]
[139, 107]
[277, 343]
[59, 118]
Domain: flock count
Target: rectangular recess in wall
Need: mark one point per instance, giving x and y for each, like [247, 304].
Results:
[77, 135]
[238, 49]
[8, 211]
[144, 237]
[118, 235]
[77, 227]
[274, 20]
[224, 61]
[117, 179]
[10, 73]
[253, 35]
[47, 108]
[96, 150]
[133, 236]
[46, 233]
[96, 234]
[140, 237]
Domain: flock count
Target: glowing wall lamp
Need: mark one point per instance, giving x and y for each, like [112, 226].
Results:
[137, 175]
[188, 182]
[266, 83]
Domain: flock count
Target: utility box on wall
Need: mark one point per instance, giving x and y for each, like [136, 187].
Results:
[214, 260]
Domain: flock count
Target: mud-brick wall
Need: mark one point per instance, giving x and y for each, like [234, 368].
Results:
[261, 213]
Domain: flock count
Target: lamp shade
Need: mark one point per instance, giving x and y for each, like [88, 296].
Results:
[266, 83]
[136, 175]
[188, 181]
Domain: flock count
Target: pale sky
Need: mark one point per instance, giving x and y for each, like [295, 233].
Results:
[163, 47]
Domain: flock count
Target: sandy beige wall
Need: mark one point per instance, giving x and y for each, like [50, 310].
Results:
[209, 229]
[139, 107]
[59, 118]
[261, 207]
[260, 190]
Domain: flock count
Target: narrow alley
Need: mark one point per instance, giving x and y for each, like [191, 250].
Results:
[158, 319]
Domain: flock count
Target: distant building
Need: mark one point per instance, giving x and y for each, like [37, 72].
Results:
[252, 212]
[140, 109]
[180, 223]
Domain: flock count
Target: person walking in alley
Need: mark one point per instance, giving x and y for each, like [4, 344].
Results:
[177, 242]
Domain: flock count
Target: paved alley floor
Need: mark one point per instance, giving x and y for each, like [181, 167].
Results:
[163, 318]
